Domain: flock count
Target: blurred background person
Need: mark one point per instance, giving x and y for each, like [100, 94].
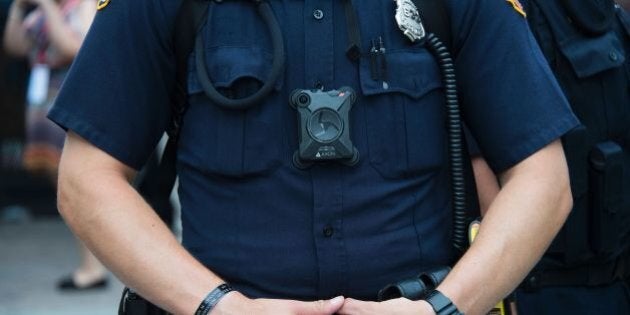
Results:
[49, 33]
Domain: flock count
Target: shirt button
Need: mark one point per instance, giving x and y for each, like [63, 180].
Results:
[613, 56]
[319, 86]
[328, 231]
[318, 14]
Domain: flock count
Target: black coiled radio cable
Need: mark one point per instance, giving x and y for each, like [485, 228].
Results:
[455, 141]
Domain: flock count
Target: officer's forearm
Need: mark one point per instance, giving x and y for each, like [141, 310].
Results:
[101, 207]
[519, 225]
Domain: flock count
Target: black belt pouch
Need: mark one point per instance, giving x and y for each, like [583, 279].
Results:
[606, 185]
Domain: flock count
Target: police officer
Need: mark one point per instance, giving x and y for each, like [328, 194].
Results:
[583, 271]
[282, 236]
[587, 45]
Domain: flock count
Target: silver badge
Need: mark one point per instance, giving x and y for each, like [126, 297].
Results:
[408, 20]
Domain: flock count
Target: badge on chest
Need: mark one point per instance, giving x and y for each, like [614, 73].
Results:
[408, 20]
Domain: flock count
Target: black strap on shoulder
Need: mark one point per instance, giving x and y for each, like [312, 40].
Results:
[352, 24]
[436, 20]
[592, 17]
[188, 22]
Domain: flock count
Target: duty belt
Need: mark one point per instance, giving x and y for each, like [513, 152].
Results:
[587, 275]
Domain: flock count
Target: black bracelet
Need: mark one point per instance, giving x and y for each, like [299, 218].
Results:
[441, 304]
[213, 298]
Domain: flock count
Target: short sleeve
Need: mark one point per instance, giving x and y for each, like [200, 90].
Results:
[117, 92]
[511, 100]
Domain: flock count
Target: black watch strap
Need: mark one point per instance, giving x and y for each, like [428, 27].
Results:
[441, 304]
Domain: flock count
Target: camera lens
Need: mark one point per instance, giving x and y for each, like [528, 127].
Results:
[325, 126]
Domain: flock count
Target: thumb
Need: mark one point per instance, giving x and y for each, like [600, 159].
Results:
[321, 307]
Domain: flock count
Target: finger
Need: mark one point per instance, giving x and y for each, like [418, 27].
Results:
[321, 307]
[350, 306]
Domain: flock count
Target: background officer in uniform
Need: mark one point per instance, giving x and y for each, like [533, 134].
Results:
[583, 270]
[586, 44]
[279, 234]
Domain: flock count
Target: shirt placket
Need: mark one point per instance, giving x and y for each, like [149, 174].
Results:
[327, 179]
[328, 230]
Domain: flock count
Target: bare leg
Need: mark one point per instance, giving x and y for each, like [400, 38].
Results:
[90, 270]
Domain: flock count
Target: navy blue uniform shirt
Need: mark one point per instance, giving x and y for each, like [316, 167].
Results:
[248, 214]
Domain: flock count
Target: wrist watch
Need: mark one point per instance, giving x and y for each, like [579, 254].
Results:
[441, 304]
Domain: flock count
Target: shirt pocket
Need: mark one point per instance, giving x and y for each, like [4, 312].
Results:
[405, 114]
[230, 142]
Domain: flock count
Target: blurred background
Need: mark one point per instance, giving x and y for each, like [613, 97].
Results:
[36, 248]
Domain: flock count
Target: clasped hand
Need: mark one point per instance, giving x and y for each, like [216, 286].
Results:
[236, 303]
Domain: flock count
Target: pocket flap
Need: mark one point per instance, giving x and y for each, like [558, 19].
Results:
[411, 72]
[589, 56]
[227, 65]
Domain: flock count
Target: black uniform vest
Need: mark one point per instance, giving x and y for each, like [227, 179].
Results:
[587, 45]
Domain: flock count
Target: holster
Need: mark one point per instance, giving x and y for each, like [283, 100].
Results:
[133, 304]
